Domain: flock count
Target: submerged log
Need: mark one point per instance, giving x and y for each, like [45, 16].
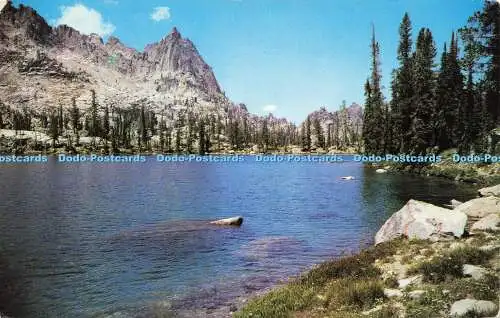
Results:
[347, 178]
[236, 221]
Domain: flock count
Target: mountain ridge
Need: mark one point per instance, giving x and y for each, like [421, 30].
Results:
[171, 62]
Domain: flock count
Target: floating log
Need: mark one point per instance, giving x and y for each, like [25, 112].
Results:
[235, 221]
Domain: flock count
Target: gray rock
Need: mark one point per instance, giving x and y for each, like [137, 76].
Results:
[489, 222]
[489, 248]
[454, 203]
[481, 307]
[480, 207]
[391, 293]
[423, 221]
[476, 272]
[237, 221]
[414, 280]
[490, 191]
[380, 171]
[416, 294]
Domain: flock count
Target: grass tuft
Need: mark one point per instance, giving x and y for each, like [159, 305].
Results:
[449, 266]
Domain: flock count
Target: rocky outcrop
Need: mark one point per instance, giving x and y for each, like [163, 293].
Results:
[476, 272]
[480, 207]
[413, 280]
[490, 191]
[489, 222]
[391, 293]
[423, 221]
[481, 308]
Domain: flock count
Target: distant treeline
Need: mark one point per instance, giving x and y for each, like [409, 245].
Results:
[180, 128]
[137, 128]
[456, 105]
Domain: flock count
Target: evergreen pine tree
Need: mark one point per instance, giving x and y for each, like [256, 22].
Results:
[93, 129]
[402, 89]
[201, 138]
[320, 138]
[54, 128]
[60, 119]
[106, 130]
[422, 128]
[306, 135]
[373, 132]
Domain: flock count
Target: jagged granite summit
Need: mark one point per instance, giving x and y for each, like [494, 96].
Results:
[43, 66]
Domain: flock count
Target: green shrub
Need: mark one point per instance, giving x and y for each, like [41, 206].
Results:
[362, 294]
[449, 266]
[280, 302]
[485, 288]
[432, 304]
[391, 282]
[389, 311]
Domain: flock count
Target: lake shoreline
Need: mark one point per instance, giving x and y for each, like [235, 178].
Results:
[472, 173]
[397, 278]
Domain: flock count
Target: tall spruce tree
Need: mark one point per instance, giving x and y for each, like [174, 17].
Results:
[201, 141]
[449, 110]
[402, 89]
[482, 40]
[373, 127]
[367, 118]
[320, 138]
[422, 127]
[105, 124]
[455, 114]
[306, 134]
[442, 138]
[93, 116]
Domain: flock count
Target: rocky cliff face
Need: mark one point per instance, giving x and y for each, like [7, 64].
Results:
[44, 66]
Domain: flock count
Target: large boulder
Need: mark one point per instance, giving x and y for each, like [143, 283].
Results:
[476, 272]
[489, 222]
[423, 221]
[481, 308]
[237, 221]
[480, 207]
[490, 191]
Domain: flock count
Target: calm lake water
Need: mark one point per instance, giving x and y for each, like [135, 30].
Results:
[93, 240]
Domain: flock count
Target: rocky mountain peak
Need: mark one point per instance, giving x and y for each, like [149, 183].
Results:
[174, 34]
[26, 19]
[50, 65]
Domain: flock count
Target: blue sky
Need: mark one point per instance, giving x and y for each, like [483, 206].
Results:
[289, 56]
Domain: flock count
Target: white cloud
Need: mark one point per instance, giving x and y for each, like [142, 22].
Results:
[85, 20]
[269, 108]
[160, 13]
